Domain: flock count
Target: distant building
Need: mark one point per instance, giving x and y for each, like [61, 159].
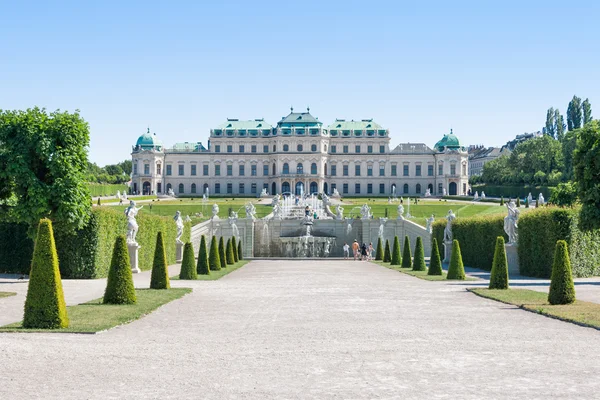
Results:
[479, 156]
[522, 138]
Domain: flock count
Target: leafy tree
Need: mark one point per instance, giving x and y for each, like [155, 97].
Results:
[229, 253]
[569, 145]
[562, 289]
[564, 195]
[126, 166]
[188, 265]
[222, 253]
[587, 175]
[587, 111]
[396, 252]
[43, 161]
[549, 127]
[215, 257]
[559, 125]
[159, 279]
[113, 170]
[234, 248]
[435, 263]
[499, 274]
[45, 306]
[419, 259]
[202, 268]
[406, 254]
[574, 114]
[456, 270]
[379, 251]
[119, 285]
[387, 254]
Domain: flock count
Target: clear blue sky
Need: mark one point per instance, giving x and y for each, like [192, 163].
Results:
[487, 69]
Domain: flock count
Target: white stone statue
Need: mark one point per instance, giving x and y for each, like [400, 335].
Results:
[400, 212]
[275, 200]
[118, 194]
[529, 199]
[429, 224]
[339, 212]
[444, 191]
[277, 211]
[540, 201]
[250, 211]
[204, 199]
[476, 197]
[389, 200]
[510, 222]
[336, 193]
[132, 226]
[326, 200]
[215, 211]
[326, 248]
[365, 212]
[187, 218]
[124, 196]
[482, 195]
[263, 193]
[179, 223]
[170, 192]
[428, 193]
[448, 230]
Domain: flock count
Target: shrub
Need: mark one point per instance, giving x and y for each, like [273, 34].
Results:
[435, 264]
[512, 191]
[502, 200]
[188, 264]
[565, 195]
[499, 275]
[239, 250]
[387, 255]
[16, 248]
[562, 289]
[396, 260]
[379, 251]
[419, 259]
[159, 278]
[456, 270]
[222, 255]
[45, 306]
[518, 202]
[202, 268]
[229, 252]
[234, 249]
[214, 260]
[406, 255]
[119, 285]
[527, 202]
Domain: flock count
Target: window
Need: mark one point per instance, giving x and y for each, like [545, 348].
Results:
[253, 170]
[369, 188]
[265, 169]
[369, 170]
[217, 188]
[381, 188]
[229, 148]
[345, 170]
[369, 149]
[313, 168]
[394, 172]
[286, 147]
[418, 188]
[464, 169]
[193, 172]
[274, 170]
[333, 148]
[452, 169]
[181, 188]
[430, 170]
[299, 147]
[325, 168]
[441, 169]
[217, 170]
[333, 187]
[158, 187]
[299, 168]
[135, 169]
[158, 169]
[253, 188]
[274, 148]
[313, 147]
[357, 149]
[381, 170]
[405, 188]
[357, 170]
[357, 188]
[382, 149]
[181, 168]
[333, 170]
[242, 170]
[345, 149]
[345, 188]
[217, 148]
[418, 170]
[205, 170]
[230, 188]
[147, 169]
[241, 148]
[266, 148]
[241, 190]
[286, 169]
[266, 187]
[169, 172]
[405, 170]
[193, 188]
[230, 170]
[253, 148]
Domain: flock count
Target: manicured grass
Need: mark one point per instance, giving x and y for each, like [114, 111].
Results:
[134, 198]
[580, 312]
[94, 316]
[419, 274]
[106, 189]
[214, 275]
[7, 294]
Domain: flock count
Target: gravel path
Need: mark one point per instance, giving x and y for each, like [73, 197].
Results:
[312, 330]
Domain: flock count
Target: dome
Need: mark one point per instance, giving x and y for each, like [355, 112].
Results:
[148, 141]
[449, 141]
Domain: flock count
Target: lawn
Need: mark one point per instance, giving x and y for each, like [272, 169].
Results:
[214, 275]
[94, 316]
[580, 312]
[419, 274]
[7, 294]
[134, 198]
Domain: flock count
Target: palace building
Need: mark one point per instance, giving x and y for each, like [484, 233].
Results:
[299, 155]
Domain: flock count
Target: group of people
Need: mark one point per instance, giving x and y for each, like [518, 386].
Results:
[362, 252]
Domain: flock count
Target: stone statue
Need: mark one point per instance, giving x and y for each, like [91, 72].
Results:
[429, 224]
[326, 248]
[132, 226]
[482, 195]
[263, 193]
[277, 211]
[400, 212]
[326, 200]
[529, 199]
[540, 201]
[448, 230]
[476, 197]
[171, 192]
[336, 193]
[118, 194]
[510, 222]
[443, 191]
[215, 211]
[339, 212]
[179, 224]
[250, 211]
[275, 200]
[365, 212]
[187, 218]
[428, 193]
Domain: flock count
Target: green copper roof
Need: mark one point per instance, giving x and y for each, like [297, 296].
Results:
[299, 119]
[187, 146]
[148, 141]
[365, 124]
[234, 124]
[449, 141]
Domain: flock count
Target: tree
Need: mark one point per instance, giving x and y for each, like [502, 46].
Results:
[406, 255]
[559, 125]
[587, 175]
[119, 285]
[499, 274]
[569, 145]
[587, 111]
[574, 113]
[215, 258]
[435, 263]
[562, 289]
[126, 166]
[45, 306]
[203, 266]
[549, 129]
[456, 270]
[234, 248]
[222, 254]
[43, 162]
[387, 254]
[188, 265]
[396, 252]
[419, 259]
[239, 250]
[229, 253]
[379, 251]
[564, 195]
[159, 279]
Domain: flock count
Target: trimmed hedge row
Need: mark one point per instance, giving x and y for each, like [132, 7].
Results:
[106, 189]
[513, 191]
[477, 237]
[16, 248]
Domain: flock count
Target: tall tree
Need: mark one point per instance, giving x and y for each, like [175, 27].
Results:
[559, 125]
[587, 111]
[549, 129]
[587, 175]
[574, 114]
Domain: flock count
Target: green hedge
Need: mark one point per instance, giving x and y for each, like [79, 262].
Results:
[513, 191]
[540, 229]
[477, 237]
[105, 189]
[16, 248]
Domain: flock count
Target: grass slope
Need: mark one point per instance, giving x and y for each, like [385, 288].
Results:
[419, 274]
[214, 275]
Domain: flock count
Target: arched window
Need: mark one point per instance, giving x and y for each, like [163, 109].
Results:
[299, 168]
[193, 188]
[286, 168]
[300, 148]
[418, 188]
[393, 188]
[406, 188]
[169, 187]
[314, 188]
[313, 168]
[181, 188]
[313, 147]
[285, 187]
[204, 188]
[286, 147]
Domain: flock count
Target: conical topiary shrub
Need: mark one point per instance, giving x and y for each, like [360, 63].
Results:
[419, 258]
[234, 249]
[239, 250]
[527, 202]
[45, 303]
[396, 260]
[499, 274]
[229, 252]
[518, 202]
[379, 251]
[387, 254]
[406, 255]
[203, 266]
[435, 263]
[562, 289]
[456, 270]
[502, 200]
[159, 279]
[119, 285]
[188, 264]
[222, 254]
[214, 259]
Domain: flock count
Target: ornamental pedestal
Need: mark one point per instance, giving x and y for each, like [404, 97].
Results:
[133, 257]
[447, 251]
[512, 258]
[178, 251]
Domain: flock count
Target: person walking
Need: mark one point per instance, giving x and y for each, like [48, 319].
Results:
[370, 252]
[346, 251]
[355, 249]
[363, 250]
